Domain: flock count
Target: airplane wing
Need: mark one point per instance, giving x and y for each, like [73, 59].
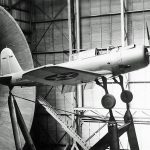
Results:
[58, 75]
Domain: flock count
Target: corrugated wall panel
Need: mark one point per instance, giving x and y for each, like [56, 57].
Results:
[95, 7]
[138, 5]
[85, 33]
[105, 21]
[115, 6]
[85, 7]
[138, 28]
[57, 6]
[50, 59]
[116, 30]
[129, 5]
[58, 37]
[59, 59]
[105, 6]
[146, 4]
[129, 29]
[65, 38]
[95, 32]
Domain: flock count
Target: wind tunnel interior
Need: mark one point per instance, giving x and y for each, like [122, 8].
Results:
[100, 27]
[12, 37]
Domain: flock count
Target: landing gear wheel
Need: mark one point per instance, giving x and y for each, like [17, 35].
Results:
[108, 101]
[126, 96]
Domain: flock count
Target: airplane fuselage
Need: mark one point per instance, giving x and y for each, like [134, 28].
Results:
[115, 62]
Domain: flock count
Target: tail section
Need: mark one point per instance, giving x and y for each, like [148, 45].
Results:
[9, 63]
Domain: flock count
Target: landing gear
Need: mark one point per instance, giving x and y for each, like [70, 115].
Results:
[112, 137]
[108, 101]
[126, 95]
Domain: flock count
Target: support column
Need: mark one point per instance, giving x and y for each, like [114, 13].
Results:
[80, 91]
[131, 133]
[122, 24]
[70, 30]
[113, 131]
[78, 24]
[23, 127]
[108, 102]
[14, 122]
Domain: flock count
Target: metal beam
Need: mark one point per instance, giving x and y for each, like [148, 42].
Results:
[70, 30]
[94, 16]
[48, 28]
[122, 24]
[64, 125]
[15, 4]
[78, 25]
[53, 52]
[104, 142]
[23, 21]
[19, 9]
[99, 129]
[62, 138]
[37, 7]
[33, 4]
[79, 88]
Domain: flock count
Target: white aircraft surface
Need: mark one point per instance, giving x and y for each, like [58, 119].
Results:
[115, 62]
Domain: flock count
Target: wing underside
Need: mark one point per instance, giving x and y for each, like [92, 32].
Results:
[58, 75]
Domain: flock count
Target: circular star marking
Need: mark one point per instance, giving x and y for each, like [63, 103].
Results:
[62, 76]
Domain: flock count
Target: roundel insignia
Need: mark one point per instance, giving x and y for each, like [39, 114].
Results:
[62, 76]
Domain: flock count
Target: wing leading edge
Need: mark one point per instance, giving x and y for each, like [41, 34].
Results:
[58, 75]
